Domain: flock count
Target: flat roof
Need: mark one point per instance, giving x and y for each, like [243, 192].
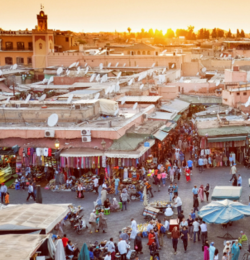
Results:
[140, 98]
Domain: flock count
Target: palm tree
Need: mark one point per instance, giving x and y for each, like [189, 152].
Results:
[129, 29]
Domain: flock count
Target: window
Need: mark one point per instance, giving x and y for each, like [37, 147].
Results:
[20, 45]
[67, 39]
[143, 53]
[156, 53]
[29, 60]
[128, 52]
[8, 61]
[238, 93]
[139, 53]
[9, 45]
[244, 93]
[148, 52]
[40, 46]
[19, 60]
[30, 46]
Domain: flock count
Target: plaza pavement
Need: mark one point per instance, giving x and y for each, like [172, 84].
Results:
[116, 221]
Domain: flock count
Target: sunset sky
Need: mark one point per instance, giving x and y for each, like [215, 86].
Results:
[111, 15]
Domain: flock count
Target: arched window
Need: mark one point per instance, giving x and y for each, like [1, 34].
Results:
[139, 53]
[8, 60]
[143, 53]
[148, 53]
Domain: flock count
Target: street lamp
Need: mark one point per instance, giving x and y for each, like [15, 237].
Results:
[103, 143]
[57, 144]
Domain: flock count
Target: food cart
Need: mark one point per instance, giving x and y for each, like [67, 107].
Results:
[150, 212]
[161, 205]
[226, 192]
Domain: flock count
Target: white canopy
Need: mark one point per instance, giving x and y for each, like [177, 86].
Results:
[32, 217]
[20, 247]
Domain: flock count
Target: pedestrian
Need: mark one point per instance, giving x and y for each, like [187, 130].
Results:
[207, 191]
[124, 199]
[190, 226]
[7, 198]
[239, 181]
[122, 248]
[161, 232]
[190, 165]
[177, 203]
[175, 187]
[157, 237]
[170, 191]
[30, 192]
[216, 254]
[203, 227]
[175, 237]
[96, 184]
[163, 177]
[102, 222]
[200, 164]
[233, 171]
[201, 193]
[103, 195]
[192, 214]
[3, 191]
[206, 251]
[149, 188]
[236, 250]
[211, 251]
[139, 190]
[92, 221]
[195, 190]
[196, 226]
[183, 224]
[34, 187]
[187, 173]
[151, 237]
[138, 243]
[185, 237]
[196, 203]
[134, 229]
[171, 174]
[234, 182]
[181, 216]
[154, 251]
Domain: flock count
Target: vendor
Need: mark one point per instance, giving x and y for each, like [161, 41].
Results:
[168, 212]
[107, 204]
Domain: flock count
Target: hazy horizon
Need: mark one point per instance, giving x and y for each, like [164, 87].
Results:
[111, 15]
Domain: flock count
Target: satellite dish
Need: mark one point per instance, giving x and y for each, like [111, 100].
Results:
[229, 55]
[172, 66]
[1, 73]
[123, 100]
[119, 75]
[52, 120]
[164, 70]
[130, 82]
[72, 65]
[181, 79]
[42, 98]
[59, 71]
[51, 79]
[68, 72]
[204, 69]
[117, 64]
[77, 64]
[117, 111]
[14, 67]
[247, 103]
[109, 65]
[87, 69]
[86, 64]
[153, 65]
[221, 55]
[92, 77]
[117, 87]
[197, 73]
[106, 91]
[78, 68]
[124, 65]
[8, 100]
[101, 66]
[69, 100]
[109, 90]
[27, 99]
[97, 96]
[135, 106]
[97, 77]
[78, 72]
[201, 56]
[142, 85]
[217, 83]
[45, 80]
[233, 61]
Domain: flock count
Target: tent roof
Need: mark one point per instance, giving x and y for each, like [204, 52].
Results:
[32, 217]
[226, 192]
[20, 247]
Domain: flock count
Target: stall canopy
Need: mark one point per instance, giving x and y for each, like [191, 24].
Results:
[160, 135]
[27, 218]
[20, 247]
[227, 139]
[226, 192]
[219, 212]
[81, 152]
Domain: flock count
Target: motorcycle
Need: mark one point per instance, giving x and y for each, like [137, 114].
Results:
[80, 226]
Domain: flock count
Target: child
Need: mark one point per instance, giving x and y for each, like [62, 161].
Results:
[7, 198]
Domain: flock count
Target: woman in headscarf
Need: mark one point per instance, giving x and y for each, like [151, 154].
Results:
[236, 250]
[92, 222]
[115, 206]
[201, 193]
[138, 243]
[79, 191]
[206, 251]
[102, 222]
[134, 229]
[211, 251]
[187, 173]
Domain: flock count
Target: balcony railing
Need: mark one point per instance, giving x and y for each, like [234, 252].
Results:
[16, 49]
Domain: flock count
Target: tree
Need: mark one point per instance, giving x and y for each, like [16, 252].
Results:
[214, 33]
[238, 33]
[170, 33]
[242, 34]
[190, 33]
[220, 33]
[181, 32]
[129, 30]
[200, 34]
[151, 32]
[229, 34]
[206, 34]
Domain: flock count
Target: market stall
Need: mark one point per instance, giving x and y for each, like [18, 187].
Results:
[226, 192]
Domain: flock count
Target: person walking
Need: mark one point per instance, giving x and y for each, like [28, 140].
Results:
[31, 192]
[201, 193]
[177, 203]
[203, 227]
[134, 229]
[233, 171]
[149, 188]
[163, 177]
[206, 190]
[102, 222]
[122, 248]
[239, 181]
[185, 238]
[175, 237]
[190, 226]
[92, 221]
[196, 226]
[200, 164]
[175, 187]
[187, 173]
[110, 246]
[3, 191]
[170, 191]
[171, 174]
[211, 251]
[96, 184]
[196, 203]
[138, 243]
[124, 199]
[190, 165]
[195, 190]
[206, 251]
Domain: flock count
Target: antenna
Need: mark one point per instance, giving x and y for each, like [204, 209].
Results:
[42, 98]
[27, 99]
[69, 100]
[142, 85]
[123, 100]
[135, 106]
[101, 66]
[117, 64]
[52, 120]
[97, 96]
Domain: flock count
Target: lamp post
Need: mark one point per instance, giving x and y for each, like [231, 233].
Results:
[57, 144]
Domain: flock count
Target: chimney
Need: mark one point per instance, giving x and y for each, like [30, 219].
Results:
[235, 68]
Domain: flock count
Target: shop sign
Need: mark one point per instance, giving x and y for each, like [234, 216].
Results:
[146, 144]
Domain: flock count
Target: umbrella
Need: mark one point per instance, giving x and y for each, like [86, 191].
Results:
[221, 212]
[84, 253]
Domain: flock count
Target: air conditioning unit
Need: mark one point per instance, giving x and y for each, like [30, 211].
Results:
[49, 133]
[85, 132]
[86, 139]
